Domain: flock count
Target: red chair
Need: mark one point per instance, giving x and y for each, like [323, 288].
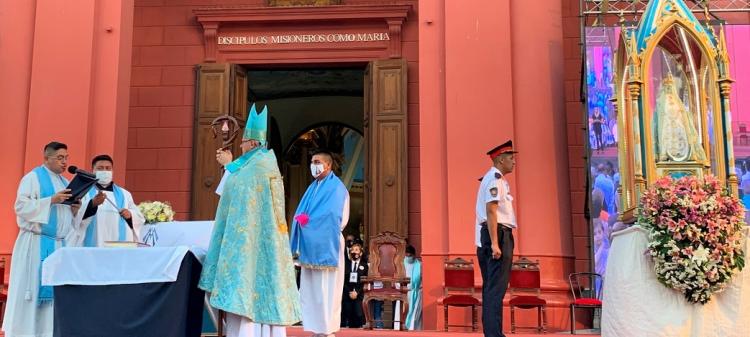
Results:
[587, 294]
[387, 252]
[3, 294]
[525, 287]
[459, 290]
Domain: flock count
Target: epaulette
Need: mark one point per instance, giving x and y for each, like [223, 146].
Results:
[497, 176]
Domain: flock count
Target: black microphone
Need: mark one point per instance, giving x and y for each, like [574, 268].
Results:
[75, 170]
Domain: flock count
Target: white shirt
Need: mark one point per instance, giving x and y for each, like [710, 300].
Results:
[494, 188]
[107, 220]
[355, 265]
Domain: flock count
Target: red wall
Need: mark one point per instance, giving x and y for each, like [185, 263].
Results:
[65, 66]
[490, 72]
[167, 43]
[480, 74]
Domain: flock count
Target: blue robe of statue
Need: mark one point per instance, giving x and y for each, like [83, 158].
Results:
[248, 269]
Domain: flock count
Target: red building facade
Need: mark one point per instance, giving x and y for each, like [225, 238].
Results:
[119, 77]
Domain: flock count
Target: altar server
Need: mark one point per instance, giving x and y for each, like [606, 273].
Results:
[321, 215]
[110, 213]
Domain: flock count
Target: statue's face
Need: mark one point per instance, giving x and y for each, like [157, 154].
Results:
[671, 102]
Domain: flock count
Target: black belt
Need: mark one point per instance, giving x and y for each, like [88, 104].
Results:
[499, 225]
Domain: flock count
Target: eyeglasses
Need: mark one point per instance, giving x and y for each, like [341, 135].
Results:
[61, 157]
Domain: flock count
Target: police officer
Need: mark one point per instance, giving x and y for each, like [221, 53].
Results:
[494, 236]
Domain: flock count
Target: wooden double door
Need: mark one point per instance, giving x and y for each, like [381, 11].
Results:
[222, 89]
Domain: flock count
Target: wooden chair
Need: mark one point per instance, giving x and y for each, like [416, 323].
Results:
[386, 258]
[458, 290]
[3, 294]
[587, 294]
[525, 284]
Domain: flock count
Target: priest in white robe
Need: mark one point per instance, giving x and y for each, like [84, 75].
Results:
[317, 241]
[43, 221]
[109, 214]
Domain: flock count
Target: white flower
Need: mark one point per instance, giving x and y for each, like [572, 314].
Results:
[700, 255]
[156, 211]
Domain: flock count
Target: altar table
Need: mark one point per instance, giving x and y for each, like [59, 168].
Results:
[117, 292]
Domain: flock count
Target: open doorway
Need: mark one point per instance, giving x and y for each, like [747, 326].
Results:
[312, 105]
[311, 108]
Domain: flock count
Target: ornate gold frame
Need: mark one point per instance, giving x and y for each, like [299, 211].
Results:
[638, 167]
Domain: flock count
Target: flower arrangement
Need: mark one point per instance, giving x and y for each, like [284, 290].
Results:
[695, 234]
[156, 211]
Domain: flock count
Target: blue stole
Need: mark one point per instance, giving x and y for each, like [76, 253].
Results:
[241, 160]
[91, 231]
[317, 242]
[48, 230]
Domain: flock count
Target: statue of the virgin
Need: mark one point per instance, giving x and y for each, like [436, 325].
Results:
[678, 139]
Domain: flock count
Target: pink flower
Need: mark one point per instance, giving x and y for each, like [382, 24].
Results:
[671, 225]
[687, 250]
[698, 196]
[664, 182]
[701, 221]
[302, 218]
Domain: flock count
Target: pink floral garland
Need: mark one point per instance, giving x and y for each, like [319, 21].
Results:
[695, 233]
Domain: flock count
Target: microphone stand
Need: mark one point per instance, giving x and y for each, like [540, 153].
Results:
[132, 230]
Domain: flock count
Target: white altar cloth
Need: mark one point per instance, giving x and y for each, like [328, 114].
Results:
[108, 266]
[194, 234]
[636, 304]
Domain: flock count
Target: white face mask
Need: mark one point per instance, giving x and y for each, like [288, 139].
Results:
[104, 177]
[316, 169]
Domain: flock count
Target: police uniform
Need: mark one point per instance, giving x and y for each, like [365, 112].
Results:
[495, 273]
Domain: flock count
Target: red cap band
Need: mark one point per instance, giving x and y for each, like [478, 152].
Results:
[501, 150]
